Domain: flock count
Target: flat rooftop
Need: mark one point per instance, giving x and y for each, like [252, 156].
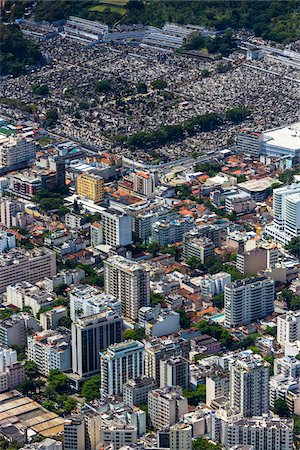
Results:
[287, 137]
[257, 185]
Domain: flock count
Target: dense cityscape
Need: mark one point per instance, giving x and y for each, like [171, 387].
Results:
[149, 225]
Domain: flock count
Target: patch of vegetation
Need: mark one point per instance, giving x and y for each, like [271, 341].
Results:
[91, 388]
[16, 52]
[40, 89]
[294, 246]
[223, 44]
[137, 334]
[196, 396]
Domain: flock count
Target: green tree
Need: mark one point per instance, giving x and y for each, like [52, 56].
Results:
[184, 319]
[65, 322]
[142, 88]
[294, 246]
[218, 301]
[157, 298]
[60, 289]
[27, 386]
[204, 444]
[51, 118]
[195, 263]
[16, 52]
[70, 404]
[40, 89]
[136, 334]
[103, 86]
[58, 381]
[281, 408]
[31, 370]
[237, 114]
[91, 388]
[195, 396]
[159, 84]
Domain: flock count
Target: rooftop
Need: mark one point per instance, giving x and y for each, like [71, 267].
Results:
[287, 137]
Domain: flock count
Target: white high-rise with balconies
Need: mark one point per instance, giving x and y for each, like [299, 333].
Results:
[288, 328]
[286, 208]
[129, 282]
[120, 363]
[249, 385]
[248, 300]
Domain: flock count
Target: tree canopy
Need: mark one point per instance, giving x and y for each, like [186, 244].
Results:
[16, 52]
[91, 388]
[294, 246]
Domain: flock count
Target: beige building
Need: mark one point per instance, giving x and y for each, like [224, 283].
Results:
[8, 210]
[260, 258]
[288, 328]
[129, 282]
[217, 385]
[31, 266]
[166, 406]
[181, 437]
[144, 183]
[91, 186]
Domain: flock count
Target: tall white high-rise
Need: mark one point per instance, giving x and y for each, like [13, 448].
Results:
[249, 385]
[116, 227]
[286, 208]
[120, 363]
[129, 282]
[288, 328]
[248, 300]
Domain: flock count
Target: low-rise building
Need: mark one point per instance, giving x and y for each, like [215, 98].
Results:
[201, 248]
[166, 232]
[158, 322]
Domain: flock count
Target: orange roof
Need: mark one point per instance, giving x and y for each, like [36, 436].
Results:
[209, 310]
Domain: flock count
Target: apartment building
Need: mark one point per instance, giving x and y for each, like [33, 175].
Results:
[249, 385]
[166, 232]
[248, 300]
[116, 227]
[16, 152]
[7, 241]
[157, 349]
[250, 142]
[129, 282]
[120, 363]
[201, 248]
[217, 386]
[135, 392]
[263, 433]
[288, 328]
[96, 234]
[74, 433]
[144, 183]
[119, 435]
[9, 208]
[166, 406]
[19, 265]
[174, 371]
[50, 350]
[12, 372]
[91, 186]
[86, 300]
